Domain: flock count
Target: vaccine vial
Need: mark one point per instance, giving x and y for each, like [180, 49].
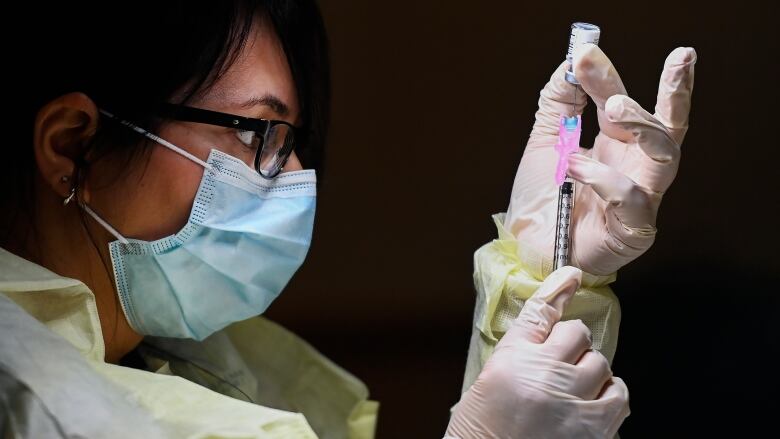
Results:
[581, 33]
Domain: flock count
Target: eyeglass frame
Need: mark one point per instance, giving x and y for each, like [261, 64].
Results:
[261, 127]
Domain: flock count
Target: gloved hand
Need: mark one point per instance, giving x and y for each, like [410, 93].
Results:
[543, 380]
[622, 178]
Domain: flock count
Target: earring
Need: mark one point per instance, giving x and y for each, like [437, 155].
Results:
[73, 187]
[72, 193]
[70, 196]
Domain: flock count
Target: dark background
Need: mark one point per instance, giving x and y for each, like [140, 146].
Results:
[433, 103]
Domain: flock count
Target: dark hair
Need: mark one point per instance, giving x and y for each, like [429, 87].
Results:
[130, 59]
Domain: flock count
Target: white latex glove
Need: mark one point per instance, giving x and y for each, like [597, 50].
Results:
[622, 178]
[543, 380]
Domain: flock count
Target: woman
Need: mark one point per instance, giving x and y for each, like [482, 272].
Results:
[168, 197]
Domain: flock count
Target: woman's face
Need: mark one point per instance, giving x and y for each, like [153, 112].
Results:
[154, 198]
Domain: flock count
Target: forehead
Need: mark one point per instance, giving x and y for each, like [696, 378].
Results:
[261, 69]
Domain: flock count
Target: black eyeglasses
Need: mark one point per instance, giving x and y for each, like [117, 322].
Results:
[273, 139]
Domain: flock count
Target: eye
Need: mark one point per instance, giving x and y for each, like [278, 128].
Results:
[250, 139]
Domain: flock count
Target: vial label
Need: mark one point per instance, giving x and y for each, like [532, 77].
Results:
[581, 33]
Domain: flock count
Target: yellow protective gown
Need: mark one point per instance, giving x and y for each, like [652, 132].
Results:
[253, 379]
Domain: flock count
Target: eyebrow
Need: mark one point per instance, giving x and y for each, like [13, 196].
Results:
[268, 100]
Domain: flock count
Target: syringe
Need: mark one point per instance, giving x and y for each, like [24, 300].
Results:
[568, 142]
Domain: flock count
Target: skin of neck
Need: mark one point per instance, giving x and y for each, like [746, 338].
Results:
[65, 240]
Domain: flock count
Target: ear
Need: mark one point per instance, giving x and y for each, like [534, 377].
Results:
[63, 129]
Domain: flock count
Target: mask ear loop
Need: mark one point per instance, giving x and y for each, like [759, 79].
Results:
[103, 223]
[156, 138]
[74, 192]
[73, 195]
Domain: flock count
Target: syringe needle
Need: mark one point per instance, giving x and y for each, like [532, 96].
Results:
[574, 103]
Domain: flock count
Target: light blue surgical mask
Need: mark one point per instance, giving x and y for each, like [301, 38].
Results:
[245, 238]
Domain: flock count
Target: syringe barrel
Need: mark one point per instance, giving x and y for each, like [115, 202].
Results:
[562, 255]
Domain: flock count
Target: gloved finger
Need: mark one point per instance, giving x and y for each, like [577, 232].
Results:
[633, 206]
[556, 98]
[600, 80]
[674, 92]
[593, 373]
[613, 404]
[652, 137]
[567, 341]
[544, 309]
[602, 417]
